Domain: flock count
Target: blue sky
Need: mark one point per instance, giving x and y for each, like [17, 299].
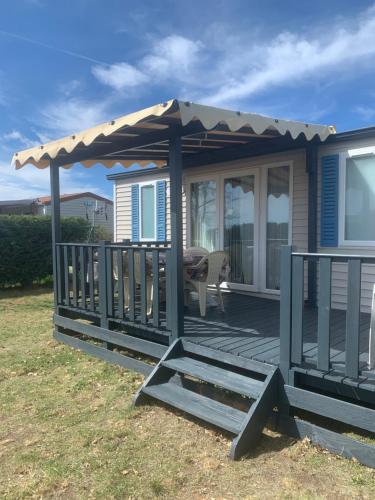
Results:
[68, 65]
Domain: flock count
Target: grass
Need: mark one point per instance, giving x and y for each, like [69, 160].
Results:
[68, 431]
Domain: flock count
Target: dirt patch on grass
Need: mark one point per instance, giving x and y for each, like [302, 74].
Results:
[68, 430]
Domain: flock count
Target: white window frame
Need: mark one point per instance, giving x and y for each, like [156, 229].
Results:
[343, 156]
[140, 186]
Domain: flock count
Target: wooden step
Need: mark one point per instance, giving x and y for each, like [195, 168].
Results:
[227, 379]
[228, 358]
[206, 409]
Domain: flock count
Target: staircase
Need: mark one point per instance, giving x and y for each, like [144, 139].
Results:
[194, 379]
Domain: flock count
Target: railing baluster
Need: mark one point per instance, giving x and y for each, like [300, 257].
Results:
[109, 278]
[74, 276]
[91, 278]
[144, 285]
[120, 284]
[324, 314]
[298, 302]
[353, 318]
[83, 266]
[66, 276]
[168, 293]
[155, 288]
[59, 276]
[131, 285]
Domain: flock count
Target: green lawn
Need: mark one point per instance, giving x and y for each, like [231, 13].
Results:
[68, 431]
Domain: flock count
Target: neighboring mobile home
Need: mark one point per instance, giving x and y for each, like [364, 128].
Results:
[292, 204]
[90, 206]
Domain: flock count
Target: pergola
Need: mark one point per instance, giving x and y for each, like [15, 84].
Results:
[182, 135]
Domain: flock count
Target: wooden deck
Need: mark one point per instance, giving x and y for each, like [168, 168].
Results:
[249, 327]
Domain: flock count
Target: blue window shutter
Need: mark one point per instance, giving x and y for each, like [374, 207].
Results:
[329, 201]
[135, 212]
[161, 210]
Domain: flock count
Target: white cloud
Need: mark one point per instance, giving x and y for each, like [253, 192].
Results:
[68, 116]
[15, 136]
[68, 88]
[293, 57]
[367, 113]
[119, 75]
[225, 68]
[31, 182]
[171, 58]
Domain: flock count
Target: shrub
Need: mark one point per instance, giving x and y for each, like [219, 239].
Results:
[25, 246]
[99, 233]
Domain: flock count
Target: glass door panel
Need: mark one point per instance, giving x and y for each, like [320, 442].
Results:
[203, 215]
[277, 227]
[239, 219]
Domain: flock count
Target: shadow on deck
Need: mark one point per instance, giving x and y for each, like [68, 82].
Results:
[249, 327]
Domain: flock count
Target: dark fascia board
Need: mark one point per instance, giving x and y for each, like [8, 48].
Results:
[359, 133]
[137, 173]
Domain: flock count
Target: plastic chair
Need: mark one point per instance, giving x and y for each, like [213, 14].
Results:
[149, 282]
[217, 261]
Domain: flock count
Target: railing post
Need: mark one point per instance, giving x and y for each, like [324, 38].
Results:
[176, 268]
[103, 299]
[56, 227]
[285, 311]
[312, 170]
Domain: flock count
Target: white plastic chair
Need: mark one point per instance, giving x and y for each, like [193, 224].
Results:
[217, 262]
[137, 279]
[371, 353]
[196, 252]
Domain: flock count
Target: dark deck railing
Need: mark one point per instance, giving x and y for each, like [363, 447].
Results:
[293, 306]
[124, 283]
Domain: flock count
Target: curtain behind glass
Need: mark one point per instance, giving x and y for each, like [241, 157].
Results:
[360, 199]
[277, 222]
[203, 215]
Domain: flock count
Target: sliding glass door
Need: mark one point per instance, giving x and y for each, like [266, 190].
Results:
[239, 226]
[277, 222]
[246, 213]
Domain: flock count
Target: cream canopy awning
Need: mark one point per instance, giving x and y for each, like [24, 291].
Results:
[142, 137]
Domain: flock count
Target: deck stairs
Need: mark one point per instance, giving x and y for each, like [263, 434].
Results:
[232, 393]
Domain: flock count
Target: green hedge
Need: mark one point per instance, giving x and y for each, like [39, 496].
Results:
[25, 246]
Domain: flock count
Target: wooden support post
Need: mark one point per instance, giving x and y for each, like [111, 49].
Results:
[312, 170]
[176, 267]
[56, 229]
[285, 311]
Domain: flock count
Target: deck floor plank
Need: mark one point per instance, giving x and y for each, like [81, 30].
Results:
[249, 327]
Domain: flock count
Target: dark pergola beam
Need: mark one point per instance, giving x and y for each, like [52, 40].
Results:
[99, 150]
[248, 150]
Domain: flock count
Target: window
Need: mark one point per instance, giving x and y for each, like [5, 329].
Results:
[147, 211]
[358, 206]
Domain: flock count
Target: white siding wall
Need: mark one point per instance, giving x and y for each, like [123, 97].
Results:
[339, 271]
[76, 208]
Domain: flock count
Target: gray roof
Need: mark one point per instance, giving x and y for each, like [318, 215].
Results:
[8, 203]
